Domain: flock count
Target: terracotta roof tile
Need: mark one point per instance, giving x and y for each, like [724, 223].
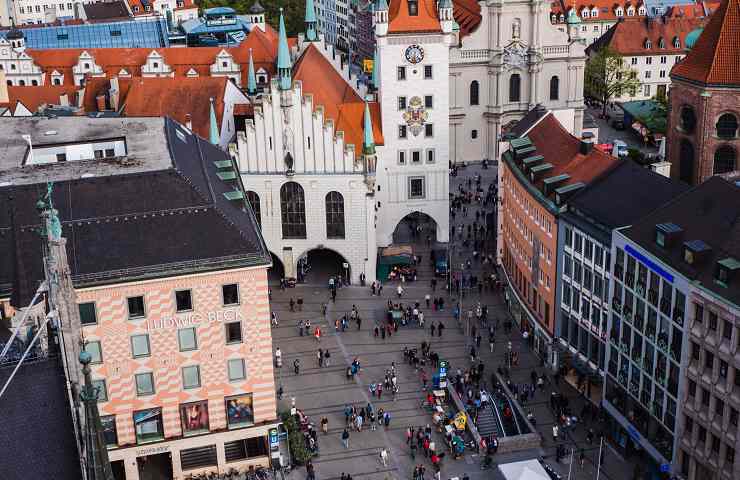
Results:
[562, 150]
[467, 15]
[715, 58]
[629, 35]
[402, 22]
[338, 99]
[33, 97]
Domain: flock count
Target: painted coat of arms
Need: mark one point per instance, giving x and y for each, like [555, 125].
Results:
[415, 115]
[515, 55]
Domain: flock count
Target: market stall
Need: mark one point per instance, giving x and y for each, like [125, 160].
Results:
[396, 261]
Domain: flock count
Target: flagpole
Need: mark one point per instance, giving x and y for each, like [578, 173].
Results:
[570, 467]
[598, 464]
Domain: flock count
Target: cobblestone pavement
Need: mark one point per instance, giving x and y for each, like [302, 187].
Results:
[324, 391]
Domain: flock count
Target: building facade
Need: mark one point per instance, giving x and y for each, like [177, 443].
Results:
[535, 182]
[705, 105]
[176, 319]
[666, 386]
[595, 17]
[509, 59]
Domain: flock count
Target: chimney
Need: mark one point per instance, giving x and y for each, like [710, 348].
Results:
[64, 100]
[114, 94]
[100, 99]
[585, 147]
[4, 97]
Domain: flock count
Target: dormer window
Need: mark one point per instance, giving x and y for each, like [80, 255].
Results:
[648, 44]
[676, 42]
[694, 251]
[619, 12]
[631, 11]
[585, 13]
[666, 234]
[661, 43]
[413, 8]
[726, 270]
[641, 11]
[594, 12]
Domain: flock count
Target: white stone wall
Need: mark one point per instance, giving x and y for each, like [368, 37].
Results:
[653, 71]
[475, 129]
[392, 177]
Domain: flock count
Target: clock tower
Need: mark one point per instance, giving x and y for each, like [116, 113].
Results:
[413, 39]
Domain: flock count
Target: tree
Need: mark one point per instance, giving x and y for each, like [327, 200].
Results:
[294, 11]
[607, 75]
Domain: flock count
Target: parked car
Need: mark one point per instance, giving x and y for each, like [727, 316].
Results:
[439, 257]
[620, 149]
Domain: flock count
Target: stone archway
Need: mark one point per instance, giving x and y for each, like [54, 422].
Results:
[316, 265]
[277, 271]
[415, 227]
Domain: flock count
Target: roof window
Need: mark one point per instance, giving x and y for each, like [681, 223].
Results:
[694, 251]
[413, 8]
[648, 44]
[666, 234]
[661, 43]
[726, 270]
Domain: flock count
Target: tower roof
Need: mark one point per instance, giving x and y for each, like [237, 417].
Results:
[715, 58]
[251, 78]
[310, 12]
[425, 20]
[368, 142]
[283, 60]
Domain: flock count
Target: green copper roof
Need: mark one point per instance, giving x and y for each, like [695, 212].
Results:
[251, 77]
[227, 175]
[234, 195]
[283, 62]
[213, 135]
[222, 163]
[444, 4]
[381, 5]
[376, 68]
[310, 22]
[573, 17]
[368, 141]
[693, 36]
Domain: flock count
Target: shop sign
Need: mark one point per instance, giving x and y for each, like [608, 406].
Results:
[443, 366]
[143, 452]
[274, 442]
[195, 318]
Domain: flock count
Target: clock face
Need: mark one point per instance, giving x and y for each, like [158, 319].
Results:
[414, 53]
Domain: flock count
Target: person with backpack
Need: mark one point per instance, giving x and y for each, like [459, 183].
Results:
[345, 438]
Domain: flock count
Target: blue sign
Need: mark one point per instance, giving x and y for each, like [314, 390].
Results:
[274, 442]
[665, 467]
[649, 263]
[634, 434]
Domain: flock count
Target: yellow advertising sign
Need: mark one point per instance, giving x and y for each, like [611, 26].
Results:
[367, 65]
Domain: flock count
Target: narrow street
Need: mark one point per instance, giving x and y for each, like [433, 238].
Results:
[324, 391]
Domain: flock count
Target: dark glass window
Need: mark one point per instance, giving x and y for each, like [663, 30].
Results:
[293, 210]
[233, 332]
[230, 294]
[194, 417]
[184, 300]
[334, 215]
[515, 87]
[109, 430]
[688, 119]
[554, 88]
[727, 126]
[686, 161]
[724, 159]
[87, 313]
[136, 307]
[427, 71]
[254, 202]
[474, 88]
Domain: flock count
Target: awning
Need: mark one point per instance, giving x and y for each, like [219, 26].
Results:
[525, 470]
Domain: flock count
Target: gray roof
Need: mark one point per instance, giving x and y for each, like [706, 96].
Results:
[159, 211]
[529, 120]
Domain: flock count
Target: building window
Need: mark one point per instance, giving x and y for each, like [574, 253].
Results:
[430, 155]
[233, 332]
[416, 188]
[102, 389]
[712, 321]
[95, 351]
[402, 103]
[401, 157]
[401, 73]
[402, 131]
[427, 72]
[634, 61]
[648, 61]
[239, 411]
[688, 119]
[646, 88]
[254, 202]
[647, 75]
[662, 74]
[416, 156]
[474, 87]
[334, 215]
[136, 307]
[87, 313]
[686, 161]
[187, 339]
[191, 377]
[236, 369]
[474, 134]
[230, 294]
[144, 383]
[724, 159]
[148, 425]
[140, 346]
[194, 417]
[554, 88]
[428, 101]
[515, 87]
[184, 300]
[727, 126]
[428, 130]
[293, 210]
[110, 435]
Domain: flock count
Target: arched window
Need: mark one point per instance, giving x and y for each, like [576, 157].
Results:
[724, 159]
[554, 88]
[293, 210]
[474, 87]
[727, 126]
[686, 162]
[254, 202]
[688, 119]
[515, 84]
[334, 215]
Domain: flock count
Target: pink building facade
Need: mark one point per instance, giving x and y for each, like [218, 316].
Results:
[184, 366]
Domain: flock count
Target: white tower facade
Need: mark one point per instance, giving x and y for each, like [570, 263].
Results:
[413, 90]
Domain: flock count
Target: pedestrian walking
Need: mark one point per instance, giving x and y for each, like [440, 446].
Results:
[372, 420]
[384, 457]
[433, 327]
[325, 425]
[555, 431]
[317, 334]
[491, 342]
[327, 357]
[440, 327]
[582, 457]
[310, 474]
[409, 434]
[345, 438]
[427, 299]
[399, 291]
[320, 357]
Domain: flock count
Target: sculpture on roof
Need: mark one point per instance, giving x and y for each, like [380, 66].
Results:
[45, 206]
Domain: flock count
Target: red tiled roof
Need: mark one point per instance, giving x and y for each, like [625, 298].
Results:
[562, 150]
[467, 15]
[715, 58]
[336, 96]
[401, 22]
[607, 9]
[33, 97]
[629, 35]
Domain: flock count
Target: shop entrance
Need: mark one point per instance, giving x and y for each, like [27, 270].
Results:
[119, 470]
[155, 467]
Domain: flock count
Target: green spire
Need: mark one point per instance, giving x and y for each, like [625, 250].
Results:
[376, 68]
[251, 78]
[382, 5]
[368, 140]
[283, 63]
[311, 22]
[213, 128]
[444, 4]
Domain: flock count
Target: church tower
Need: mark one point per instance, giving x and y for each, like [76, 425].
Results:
[412, 82]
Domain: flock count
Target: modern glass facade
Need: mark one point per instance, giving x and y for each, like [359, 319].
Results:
[646, 345]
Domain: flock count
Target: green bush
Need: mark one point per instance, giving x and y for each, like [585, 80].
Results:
[296, 440]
